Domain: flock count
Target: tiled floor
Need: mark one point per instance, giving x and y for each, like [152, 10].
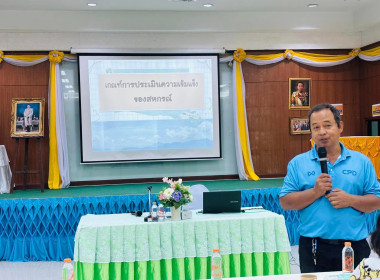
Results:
[30, 270]
[52, 270]
[294, 260]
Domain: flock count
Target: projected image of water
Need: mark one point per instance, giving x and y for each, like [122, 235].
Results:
[149, 107]
[142, 135]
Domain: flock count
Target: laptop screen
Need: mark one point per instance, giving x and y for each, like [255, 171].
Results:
[222, 202]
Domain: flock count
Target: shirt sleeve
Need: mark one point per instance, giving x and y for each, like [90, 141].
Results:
[291, 182]
[371, 184]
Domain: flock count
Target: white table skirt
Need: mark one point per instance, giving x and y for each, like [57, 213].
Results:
[126, 238]
[5, 171]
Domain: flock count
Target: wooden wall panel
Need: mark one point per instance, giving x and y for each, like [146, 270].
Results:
[369, 93]
[268, 113]
[24, 82]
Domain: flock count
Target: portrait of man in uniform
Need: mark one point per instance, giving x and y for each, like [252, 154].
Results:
[27, 117]
[299, 93]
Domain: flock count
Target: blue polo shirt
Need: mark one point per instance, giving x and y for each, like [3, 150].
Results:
[353, 173]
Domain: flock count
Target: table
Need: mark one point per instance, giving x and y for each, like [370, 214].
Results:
[122, 246]
[368, 145]
[5, 171]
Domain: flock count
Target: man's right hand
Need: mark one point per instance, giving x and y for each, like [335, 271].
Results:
[323, 184]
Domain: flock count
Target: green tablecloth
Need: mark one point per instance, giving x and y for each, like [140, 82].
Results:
[124, 247]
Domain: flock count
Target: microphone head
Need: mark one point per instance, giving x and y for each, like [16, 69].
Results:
[137, 213]
[322, 153]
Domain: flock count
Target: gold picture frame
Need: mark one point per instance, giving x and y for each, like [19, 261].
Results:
[299, 93]
[299, 126]
[27, 118]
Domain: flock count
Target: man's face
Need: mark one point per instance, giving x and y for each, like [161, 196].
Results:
[324, 129]
[300, 87]
[28, 106]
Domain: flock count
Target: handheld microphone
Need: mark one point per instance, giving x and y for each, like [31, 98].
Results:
[137, 213]
[322, 154]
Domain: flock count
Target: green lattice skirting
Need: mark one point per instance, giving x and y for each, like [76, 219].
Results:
[234, 265]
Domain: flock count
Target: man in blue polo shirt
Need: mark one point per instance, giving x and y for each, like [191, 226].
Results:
[331, 206]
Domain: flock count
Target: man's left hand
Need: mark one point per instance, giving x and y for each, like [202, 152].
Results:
[339, 198]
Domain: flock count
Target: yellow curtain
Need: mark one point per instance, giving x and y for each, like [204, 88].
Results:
[243, 127]
[54, 180]
[372, 52]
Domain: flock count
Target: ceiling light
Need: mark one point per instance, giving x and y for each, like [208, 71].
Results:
[312, 5]
[208, 5]
[91, 4]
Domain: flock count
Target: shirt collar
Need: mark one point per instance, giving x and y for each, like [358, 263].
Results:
[343, 155]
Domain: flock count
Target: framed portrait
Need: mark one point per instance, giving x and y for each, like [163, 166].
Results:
[339, 107]
[299, 126]
[376, 110]
[299, 93]
[27, 118]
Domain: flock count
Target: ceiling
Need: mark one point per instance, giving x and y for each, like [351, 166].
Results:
[182, 15]
[300, 6]
[334, 23]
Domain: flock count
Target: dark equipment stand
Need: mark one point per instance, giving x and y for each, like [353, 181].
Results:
[25, 171]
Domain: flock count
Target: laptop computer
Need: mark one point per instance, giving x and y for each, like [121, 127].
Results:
[221, 202]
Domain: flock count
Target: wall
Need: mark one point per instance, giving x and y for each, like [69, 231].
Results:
[355, 84]
[369, 91]
[268, 115]
[24, 82]
[138, 41]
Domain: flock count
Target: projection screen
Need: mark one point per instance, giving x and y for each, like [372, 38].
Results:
[149, 107]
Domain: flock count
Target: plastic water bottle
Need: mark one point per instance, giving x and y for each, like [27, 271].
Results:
[67, 270]
[154, 211]
[186, 212]
[216, 265]
[168, 214]
[161, 213]
[347, 258]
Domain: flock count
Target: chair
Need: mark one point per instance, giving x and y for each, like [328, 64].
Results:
[197, 192]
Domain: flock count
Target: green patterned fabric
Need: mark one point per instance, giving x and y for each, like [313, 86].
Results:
[236, 265]
[122, 245]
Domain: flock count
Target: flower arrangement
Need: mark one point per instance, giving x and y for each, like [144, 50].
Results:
[176, 195]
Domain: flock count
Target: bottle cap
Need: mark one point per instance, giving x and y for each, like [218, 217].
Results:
[67, 260]
[347, 243]
[216, 250]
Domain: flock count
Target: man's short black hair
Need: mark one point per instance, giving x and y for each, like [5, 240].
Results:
[323, 106]
[300, 82]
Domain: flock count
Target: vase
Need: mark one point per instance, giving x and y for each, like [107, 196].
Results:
[176, 213]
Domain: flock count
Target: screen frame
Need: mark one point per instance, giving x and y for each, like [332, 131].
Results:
[156, 55]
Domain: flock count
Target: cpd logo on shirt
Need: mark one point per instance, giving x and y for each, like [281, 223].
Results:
[348, 172]
[310, 173]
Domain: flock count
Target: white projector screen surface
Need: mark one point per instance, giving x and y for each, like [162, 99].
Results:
[149, 107]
